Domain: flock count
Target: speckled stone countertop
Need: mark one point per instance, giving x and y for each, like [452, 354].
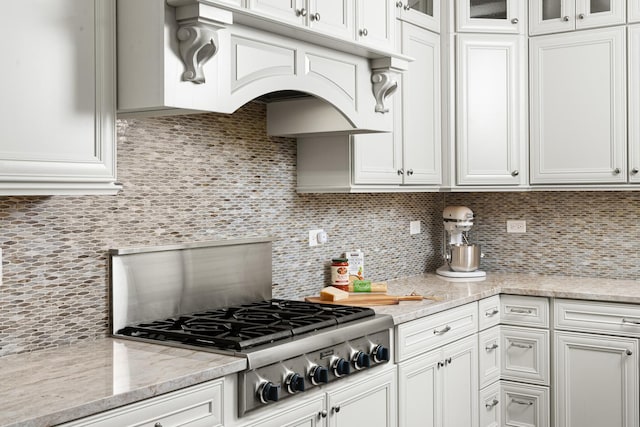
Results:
[53, 386]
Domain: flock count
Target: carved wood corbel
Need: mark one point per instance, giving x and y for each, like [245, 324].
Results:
[384, 85]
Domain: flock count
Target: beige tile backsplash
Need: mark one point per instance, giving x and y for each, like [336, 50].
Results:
[211, 176]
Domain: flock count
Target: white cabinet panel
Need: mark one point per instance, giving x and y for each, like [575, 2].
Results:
[460, 383]
[489, 356]
[423, 13]
[490, 408]
[491, 110]
[377, 159]
[419, 396]
[376, 22]
[598, 317]
[596, 380]
[285, 10]
[488, 312]
[634, 102]
[491, 16]
[303, 414]
[335, 17]
[521, 310]
[524, 405]
[578, 107]
[525, 354]
[551, 16]
[634, 11]
[57, 109]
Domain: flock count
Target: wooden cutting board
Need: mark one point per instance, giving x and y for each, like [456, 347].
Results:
[366, 300]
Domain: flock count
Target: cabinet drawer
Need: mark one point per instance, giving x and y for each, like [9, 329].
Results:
[196, 406]
[422, 335]
[488, 312]
[524, 405]
[489, 352]
[524, 354]
[490, 407]
[598, 317]
[524, 311]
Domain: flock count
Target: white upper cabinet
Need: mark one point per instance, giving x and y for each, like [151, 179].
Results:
[634, 103]
[423, 13]
[491, 16]
[634, 11]
[553, 16]
[57, 108]
[375, 23]
[491, 110]
[332, 17]
[291, 11]
[578, 107]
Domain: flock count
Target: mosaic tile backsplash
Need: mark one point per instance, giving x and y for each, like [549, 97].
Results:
[192, 178]
[211, 177]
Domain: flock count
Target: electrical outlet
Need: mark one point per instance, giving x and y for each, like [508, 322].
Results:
[414, 227]
[313, 237]
[516, 226]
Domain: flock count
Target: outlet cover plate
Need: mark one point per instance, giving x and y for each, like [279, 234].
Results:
[313, 237]
[514, 226]
[414, 227]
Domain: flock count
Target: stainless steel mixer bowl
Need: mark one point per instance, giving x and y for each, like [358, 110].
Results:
[464, 258]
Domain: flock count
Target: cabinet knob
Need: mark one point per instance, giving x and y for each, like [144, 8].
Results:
[515, 20]
[322, 414]
[515, 173]
[157, 425]
[364, 32]
[301, 12]
[400, 171]
[315, 17]
[634, 171]
[335, 409]
[407, 7]
[581, 16]
[491, 404]
[616, 171]
[628, 352]
[565, 18]
[410, 172]
[399, 4]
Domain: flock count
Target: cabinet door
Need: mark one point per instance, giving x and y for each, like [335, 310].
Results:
[334, 17]
[377, 158]
[376, 20]
[490, 406]
[596, 380]
[423, 13]
[491, 110]
[419, 397]
[634, 11]
[303, 414]
[370, 403]
[421, 107]
[634, 103]
[578, 107]
[460, 383]
[290, 11]
[489, 356]
[491, 16]
[599, 13]
[551, 16]
[57, 108]
[525, 405]
[525, 354]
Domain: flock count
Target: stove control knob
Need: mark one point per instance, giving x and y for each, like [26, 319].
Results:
[318, 375]
[380, 354]
[341, 367]
[361, 360]
[268, 392]
[294, 383]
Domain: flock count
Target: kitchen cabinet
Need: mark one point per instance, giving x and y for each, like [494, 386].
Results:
[596, 380]
[491, 16]
[578, 107]
[370, 402]
[196, 406]
[440, 387]
[634, 11]
[57, 110]
[554, 16]
[524, 405]
[375, 23]
[634, 103]
[333, 17]
[423, 13]
[491, 112]
[408, 159]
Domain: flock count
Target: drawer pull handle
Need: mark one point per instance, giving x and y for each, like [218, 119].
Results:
[521, 310]
[633, 322]
[522, 402]
[490, 405]
[518, 345]
[491, 313]
[442, 331]
[491, 347]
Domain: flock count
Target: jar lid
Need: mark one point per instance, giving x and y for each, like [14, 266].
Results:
[339, 260]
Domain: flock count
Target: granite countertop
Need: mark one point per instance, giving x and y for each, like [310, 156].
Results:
[53, 386]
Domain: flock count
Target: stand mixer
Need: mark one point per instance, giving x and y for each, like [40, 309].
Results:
[462, 259]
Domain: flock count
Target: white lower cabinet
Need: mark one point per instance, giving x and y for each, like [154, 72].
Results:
[524, 405]
[596, 380]
[439, 388]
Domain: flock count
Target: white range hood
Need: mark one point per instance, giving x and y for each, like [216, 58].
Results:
[185, 56]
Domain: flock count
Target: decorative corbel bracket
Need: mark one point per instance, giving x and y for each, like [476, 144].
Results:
[198, 25]
[384, 79]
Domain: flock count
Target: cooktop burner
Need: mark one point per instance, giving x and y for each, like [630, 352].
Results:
[246, 326]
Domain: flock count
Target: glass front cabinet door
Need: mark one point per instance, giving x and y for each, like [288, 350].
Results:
[554, 16]
[491, 16]
[423, 13]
